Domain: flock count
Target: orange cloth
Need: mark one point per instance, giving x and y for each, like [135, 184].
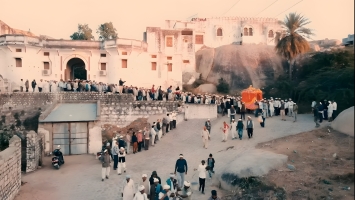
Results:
[249, 96]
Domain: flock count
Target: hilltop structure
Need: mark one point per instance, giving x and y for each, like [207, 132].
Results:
[161, 58]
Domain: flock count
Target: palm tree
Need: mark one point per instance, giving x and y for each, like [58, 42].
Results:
[291, 42]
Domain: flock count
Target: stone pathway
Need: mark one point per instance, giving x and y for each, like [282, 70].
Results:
[80, 177]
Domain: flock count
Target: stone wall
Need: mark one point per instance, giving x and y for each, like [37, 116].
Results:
[200, 111]
[10, 169]
[15, 100]
[33, 151]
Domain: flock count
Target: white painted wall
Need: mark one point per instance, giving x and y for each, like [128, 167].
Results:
[200, 111]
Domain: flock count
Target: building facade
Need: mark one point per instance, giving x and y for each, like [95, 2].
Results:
[160, 59]
[178, 41]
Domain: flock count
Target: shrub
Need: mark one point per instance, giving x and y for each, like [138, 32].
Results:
[223, 86]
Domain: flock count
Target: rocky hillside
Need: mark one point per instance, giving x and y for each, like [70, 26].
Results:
[240, 65]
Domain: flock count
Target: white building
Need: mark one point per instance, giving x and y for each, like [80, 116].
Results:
[160, 59]
[349, 40]
[179, 40]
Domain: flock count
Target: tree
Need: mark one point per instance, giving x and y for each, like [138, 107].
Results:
[222, 86]
[83, 33]
[106, 31]
[292, 42]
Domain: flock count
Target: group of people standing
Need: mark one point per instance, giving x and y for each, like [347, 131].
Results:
[324, 110]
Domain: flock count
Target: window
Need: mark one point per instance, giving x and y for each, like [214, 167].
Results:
[186, 32]
[18, 50]
[245, 31]
[199, 39]
[124, 63]
[271, 34]
[250, 32]
[219, 32]
[18, 62]
[186, 61]
[103, 55]
[154, 66]
[45, 65]
[169, 58]
[103, 66]
[154, 56]
[170, 67]
[169, 42]
[46, 53]
[124, 53]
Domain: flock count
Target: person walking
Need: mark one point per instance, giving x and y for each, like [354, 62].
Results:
[135, 143]
[202, 176]
[240, 128]
[126, 144]
[233, 129]
[295, 111]
[153, 133]
[115, 152]
[242, 111]
[205, 137]
[128, 188]
[145, 182]
[316, 115]
[210, 163]
[105, 159]
[208, 125]
[232, 113]
[214, 195]
[225, 131]
[159, 128]
[250, 127]
[140, 140]
[146, 138]
[181, 168]
[141, 194]
[282, 111]
[121, 161]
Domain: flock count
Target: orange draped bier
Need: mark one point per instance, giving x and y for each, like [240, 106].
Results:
[249, 96]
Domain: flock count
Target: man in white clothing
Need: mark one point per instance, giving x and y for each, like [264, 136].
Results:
[335, 106]
[128, 188]
[202, 176]
[233, 128]
[141, 194]
[153, 133]
[205, 137]
[290, 108]
[121, 161]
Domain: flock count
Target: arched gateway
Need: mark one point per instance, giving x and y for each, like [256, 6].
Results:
[75, 69]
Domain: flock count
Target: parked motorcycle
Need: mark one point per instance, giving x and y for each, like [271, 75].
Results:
[58, 158]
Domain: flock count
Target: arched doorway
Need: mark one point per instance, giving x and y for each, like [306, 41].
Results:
[75, 69]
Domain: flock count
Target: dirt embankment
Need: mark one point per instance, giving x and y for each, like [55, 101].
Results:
[324, 165]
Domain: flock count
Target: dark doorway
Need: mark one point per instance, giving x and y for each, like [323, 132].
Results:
[76, 69]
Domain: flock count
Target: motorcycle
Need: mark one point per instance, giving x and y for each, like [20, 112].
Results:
[57, 159]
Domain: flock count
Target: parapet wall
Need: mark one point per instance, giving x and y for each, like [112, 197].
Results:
[200, 111]
[10, 169]
[39, 99]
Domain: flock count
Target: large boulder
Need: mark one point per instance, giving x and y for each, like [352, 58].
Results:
[251, 164]
[240, 65]
[344, 122]
[206, 88]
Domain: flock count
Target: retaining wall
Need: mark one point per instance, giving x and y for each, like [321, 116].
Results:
[10, 169]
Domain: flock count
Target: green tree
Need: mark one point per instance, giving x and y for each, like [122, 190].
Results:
[83, 33]
[223, 86]
[107, 31]
[292, 42]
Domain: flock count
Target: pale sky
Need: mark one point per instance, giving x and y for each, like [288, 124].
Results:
[333, 19]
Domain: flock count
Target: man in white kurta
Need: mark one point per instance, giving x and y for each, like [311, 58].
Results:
[140, 195]
[233, 129]
[128, 188]
[145, 182]
[205, 137]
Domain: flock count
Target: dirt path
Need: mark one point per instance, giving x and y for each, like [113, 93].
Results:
[80, 177]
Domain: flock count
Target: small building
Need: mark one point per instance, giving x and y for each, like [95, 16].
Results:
[73, 126]
[349, 40]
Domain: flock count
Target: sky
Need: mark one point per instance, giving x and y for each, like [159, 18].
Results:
[332, 19]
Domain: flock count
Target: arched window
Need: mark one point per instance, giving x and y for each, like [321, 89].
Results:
[271, 34]
[246, 32]
[250, 32]
[219, 32]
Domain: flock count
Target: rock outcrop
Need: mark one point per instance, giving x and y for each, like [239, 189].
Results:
[344, 122]
[240, 65]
